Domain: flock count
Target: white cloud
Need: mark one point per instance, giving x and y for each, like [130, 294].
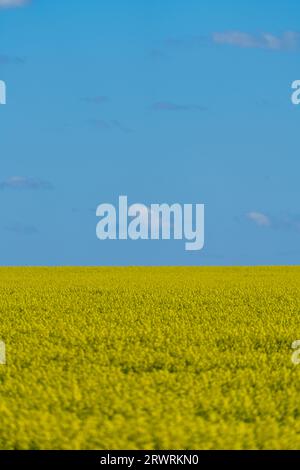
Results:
[287, 41]
[287, 221]
[152, 218]
[12, 3]
[169, 106]
[21, 229]
[24, 182]
[259, 218]
[235, 38]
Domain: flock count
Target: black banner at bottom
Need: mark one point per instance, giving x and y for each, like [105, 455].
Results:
[135, 459]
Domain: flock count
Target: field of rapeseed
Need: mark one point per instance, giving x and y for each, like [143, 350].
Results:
[149, 358]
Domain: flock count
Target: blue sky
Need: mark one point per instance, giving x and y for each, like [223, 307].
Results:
[173, 101]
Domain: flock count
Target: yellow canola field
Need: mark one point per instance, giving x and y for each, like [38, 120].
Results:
[149, 358]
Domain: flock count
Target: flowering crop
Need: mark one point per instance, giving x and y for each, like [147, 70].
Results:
[149, 358]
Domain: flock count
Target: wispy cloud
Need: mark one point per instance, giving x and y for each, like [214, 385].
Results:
[10, 60]
[24, 183]
[113, 124]
[157, 54]
[170, 106]
[99, 124]
[21, 229]
[13, 3]
[96, 99]
[279, 222]
[186, 42]
[289, 40]
[259, 218]
[118, 125]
